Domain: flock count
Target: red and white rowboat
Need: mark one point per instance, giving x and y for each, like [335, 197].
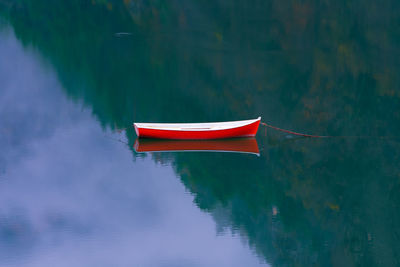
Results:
[212, 130]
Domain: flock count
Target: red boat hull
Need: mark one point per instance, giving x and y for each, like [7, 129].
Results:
[249, 130]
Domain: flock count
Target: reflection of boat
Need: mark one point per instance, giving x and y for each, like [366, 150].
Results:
[213, 130]
[240, 145]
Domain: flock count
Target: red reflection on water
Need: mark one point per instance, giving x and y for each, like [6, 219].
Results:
[239, 145]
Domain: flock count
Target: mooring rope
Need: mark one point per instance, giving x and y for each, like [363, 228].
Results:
[295, 133]
[119, 130]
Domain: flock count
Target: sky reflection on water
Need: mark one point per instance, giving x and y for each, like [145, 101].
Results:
[71, 196]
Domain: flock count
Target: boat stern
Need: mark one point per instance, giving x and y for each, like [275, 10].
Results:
[136, 129]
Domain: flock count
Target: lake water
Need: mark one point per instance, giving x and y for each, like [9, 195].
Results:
[74, 191]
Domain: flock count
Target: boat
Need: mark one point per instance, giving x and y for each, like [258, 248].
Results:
[235, 145]
[212, 130]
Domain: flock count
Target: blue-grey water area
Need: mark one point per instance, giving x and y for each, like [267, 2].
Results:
[75, 192]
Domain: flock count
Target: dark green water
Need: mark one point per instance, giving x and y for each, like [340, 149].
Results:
[73, 72]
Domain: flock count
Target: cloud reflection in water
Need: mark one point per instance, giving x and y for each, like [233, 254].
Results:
[69, 196]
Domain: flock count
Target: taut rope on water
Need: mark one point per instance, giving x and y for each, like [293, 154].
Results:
[295, 133]
[329, 136]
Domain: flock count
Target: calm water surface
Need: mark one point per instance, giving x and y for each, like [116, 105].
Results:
[72, 196]
[74, 192]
